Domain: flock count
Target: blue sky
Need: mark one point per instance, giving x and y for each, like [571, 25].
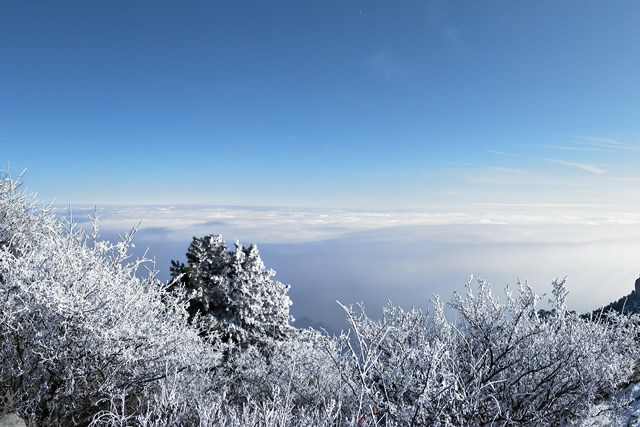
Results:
[340, 104]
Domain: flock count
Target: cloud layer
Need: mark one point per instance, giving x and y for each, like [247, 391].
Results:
[280, 225]
[405, 257]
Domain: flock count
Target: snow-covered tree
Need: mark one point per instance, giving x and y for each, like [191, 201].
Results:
[79, 328]
[233, 292]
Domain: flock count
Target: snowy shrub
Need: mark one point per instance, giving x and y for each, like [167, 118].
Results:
[518, 368]
[276, 411]
[496, 363]
[304, 366]
[77, 327]
[400, 369]
[286, 383]
[301, 365]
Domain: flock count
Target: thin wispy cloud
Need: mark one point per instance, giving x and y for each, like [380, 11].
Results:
[589, 144]
[577, 148]
[581, 166]
[606, 143]
[500, 153]
[509, 170]
[604, 140]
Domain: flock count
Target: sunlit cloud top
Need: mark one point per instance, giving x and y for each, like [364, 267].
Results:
[298, 225]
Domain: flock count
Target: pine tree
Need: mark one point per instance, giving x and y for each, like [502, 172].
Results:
[233, 292]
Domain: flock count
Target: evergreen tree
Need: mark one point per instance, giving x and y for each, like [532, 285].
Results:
[233, 292]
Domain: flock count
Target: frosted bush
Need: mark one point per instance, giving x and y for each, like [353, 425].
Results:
[300, 366]
[497, 363]
[77, 327]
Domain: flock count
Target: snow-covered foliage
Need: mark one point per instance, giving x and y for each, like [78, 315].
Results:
[84, 339]
[496, 363]
[77, 326]
[279, 410]
[233, 291]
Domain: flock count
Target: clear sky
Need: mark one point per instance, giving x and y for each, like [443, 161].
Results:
[342, 104]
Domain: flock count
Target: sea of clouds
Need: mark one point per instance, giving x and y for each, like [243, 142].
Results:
[405, 257]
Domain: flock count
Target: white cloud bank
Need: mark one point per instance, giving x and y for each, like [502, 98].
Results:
[280, 225]
[406, 256]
